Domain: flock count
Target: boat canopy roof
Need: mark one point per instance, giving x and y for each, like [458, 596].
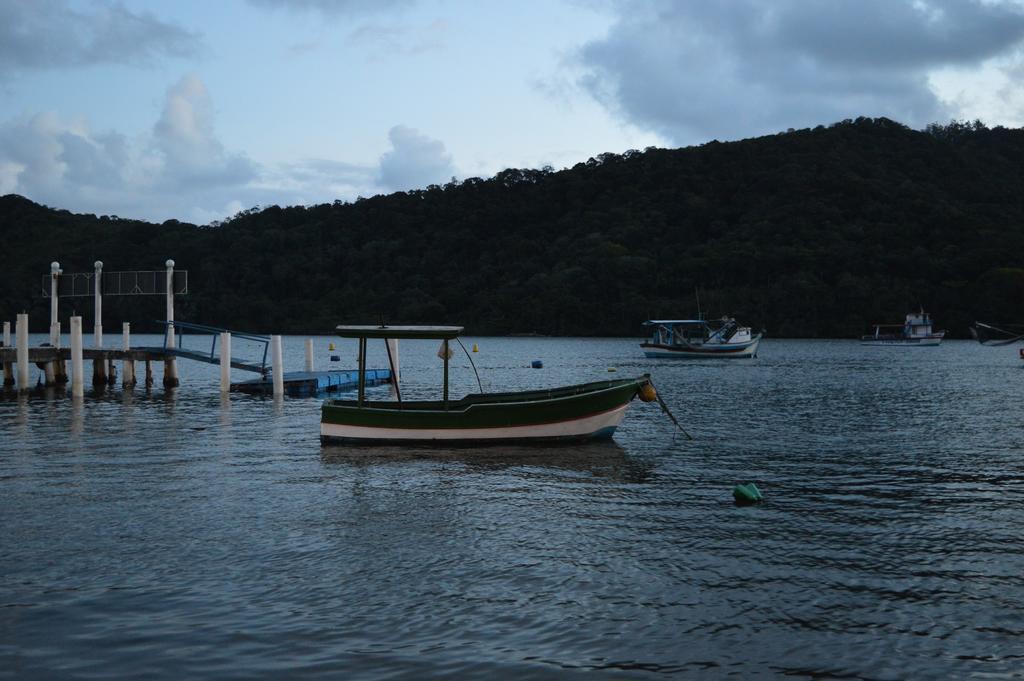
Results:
[675, 322]
[413, 332]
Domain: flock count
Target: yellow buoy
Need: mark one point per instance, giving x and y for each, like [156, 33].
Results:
[331, 346]
[475, 348]
[612, 369]
[648, 393]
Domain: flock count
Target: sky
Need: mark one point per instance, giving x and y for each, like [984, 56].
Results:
[195, 110]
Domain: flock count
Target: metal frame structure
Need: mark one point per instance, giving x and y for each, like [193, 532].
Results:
[126, 283]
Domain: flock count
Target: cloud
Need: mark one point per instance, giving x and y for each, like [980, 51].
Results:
[346, 179]
[193, 156]
[389, 40]
[180, 169]
[48, 34]
[334, 7]
[414, 161]
[692, 70]
[64, 164]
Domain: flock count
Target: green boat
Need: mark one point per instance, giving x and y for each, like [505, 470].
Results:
[567, 414]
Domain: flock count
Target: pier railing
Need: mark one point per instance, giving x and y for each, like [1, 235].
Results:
[212, 357]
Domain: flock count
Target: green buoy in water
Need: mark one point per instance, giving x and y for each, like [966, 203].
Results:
[747, 494]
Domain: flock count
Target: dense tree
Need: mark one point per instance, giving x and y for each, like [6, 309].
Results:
[807, 233]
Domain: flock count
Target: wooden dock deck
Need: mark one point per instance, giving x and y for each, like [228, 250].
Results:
[296, 383]
[43, 354]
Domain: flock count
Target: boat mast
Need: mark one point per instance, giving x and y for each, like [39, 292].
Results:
[445, 353]
[394, 371]
[362, 370]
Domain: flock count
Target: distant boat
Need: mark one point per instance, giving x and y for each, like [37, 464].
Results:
[565, 414]
[700, 339]
[915, 332]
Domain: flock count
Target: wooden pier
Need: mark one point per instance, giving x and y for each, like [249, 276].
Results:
[55, 360]
[296, 383]
[44, 354]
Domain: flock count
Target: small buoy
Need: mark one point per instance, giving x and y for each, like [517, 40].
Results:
[648, 393]
[612, 370]
[331, 346]
[475, 348]
[537, 364]
[335, 358]
[747, 494]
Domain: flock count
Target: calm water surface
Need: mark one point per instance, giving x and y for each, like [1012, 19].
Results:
[175, 534]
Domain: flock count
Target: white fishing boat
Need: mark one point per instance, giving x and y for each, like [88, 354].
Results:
[700, 339]
[915, 332]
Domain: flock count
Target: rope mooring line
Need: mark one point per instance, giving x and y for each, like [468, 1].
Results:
[668, 412]
[478, 383]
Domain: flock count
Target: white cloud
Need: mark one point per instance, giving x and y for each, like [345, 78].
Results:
[9, 173]
[317, 180]
[691, 70]
[181, 170]
[414, 161]
[184, 134]
[991, 92]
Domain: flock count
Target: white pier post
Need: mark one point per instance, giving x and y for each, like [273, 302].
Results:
[55, 273]
[309, 354]
[21, 340]
[77, 370]
[53, 368]
[97, 333]
[127, 364]
[225, 361]
[170, 363]
[276, 365]
[8, 366]
[99, 368]
[60, 367]
[49, 369]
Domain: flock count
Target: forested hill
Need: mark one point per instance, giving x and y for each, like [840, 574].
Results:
[807, 233]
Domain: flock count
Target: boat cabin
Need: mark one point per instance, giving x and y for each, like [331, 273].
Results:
[388, 333]
[695, 331]
[917, 325]
[676, 331]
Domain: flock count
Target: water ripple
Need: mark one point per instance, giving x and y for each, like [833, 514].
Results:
[179, 534]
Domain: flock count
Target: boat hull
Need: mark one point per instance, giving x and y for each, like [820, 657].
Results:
[743, 350]
[928, 342]
[570, 414]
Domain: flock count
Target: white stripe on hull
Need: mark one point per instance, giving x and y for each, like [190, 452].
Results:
[744, 353]
[588, 425]
[909, 343]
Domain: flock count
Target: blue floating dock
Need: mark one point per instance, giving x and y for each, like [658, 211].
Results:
[309, 383]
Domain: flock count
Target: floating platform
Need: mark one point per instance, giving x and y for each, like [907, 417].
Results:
[309, 383]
